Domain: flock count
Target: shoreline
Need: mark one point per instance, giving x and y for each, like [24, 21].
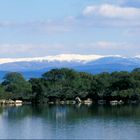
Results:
[87, 102]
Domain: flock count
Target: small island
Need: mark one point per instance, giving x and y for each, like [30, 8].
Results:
[67, 86]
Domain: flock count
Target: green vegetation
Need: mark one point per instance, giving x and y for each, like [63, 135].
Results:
[67, 84]
[15, 86]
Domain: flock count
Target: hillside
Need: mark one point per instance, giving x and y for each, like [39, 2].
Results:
[34, 67]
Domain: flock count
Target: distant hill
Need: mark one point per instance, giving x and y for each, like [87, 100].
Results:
[35, 67]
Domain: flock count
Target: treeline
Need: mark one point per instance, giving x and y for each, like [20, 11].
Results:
[67, 84]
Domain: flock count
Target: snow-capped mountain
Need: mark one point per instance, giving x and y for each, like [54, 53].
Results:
[61, 58]
[34, 67]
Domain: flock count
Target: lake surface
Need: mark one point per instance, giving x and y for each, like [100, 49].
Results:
[70, 122]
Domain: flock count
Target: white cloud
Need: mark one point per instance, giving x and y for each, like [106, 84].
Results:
[112, 11]
[47, 26]
[132, 32]
[104, 45]
[105, 15]
[110, 48]
[30, 50]
[93, 16]
[99, 47]
[110, 45]
[8, 24]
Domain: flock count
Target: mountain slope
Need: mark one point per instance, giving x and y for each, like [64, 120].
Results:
[34, 67]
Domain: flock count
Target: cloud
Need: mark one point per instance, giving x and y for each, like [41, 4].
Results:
[112, 11]
[104, 45]
[100, 48]
[132, 33]
[8, 24]
[109, 45]
[41, 27]
[133, 3]
[126, 3]
[110, 48]
[30, 50]
[110, 16]
[50, 26]
[105, 15]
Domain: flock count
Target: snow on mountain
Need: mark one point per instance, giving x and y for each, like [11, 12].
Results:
[35, 67]
[61, 58]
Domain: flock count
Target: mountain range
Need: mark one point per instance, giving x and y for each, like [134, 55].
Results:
[35, 67]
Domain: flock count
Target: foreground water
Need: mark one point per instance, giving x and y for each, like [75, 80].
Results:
[65, 122]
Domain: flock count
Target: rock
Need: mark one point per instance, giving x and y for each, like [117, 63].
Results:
[18, 105]
[78, 105]
[57, 103]
[78, 100]
[62, 102]
[51, 103]
[120, 102]
[9, 102]
[133, 102]
[2, 101]
[88, 101]
[115, 102]
[72, 102]
[18, 102]
[101, 102]
[68, 102]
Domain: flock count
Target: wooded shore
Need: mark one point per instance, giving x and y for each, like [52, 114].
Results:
[67, 86]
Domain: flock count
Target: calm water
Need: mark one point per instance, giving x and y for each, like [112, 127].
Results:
[65, 122]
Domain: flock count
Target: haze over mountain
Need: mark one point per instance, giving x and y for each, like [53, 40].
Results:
[34, 67]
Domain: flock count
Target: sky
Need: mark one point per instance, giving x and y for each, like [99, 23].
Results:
[37, 28]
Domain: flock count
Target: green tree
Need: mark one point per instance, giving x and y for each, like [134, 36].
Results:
[16, 84]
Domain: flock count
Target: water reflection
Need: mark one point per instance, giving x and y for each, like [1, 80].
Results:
[61, 121]
[71, 112]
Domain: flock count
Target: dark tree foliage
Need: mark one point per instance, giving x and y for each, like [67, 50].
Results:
[136, 70]
[67, 84]
[15, 84]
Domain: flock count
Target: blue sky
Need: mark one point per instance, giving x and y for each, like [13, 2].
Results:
[32, 28]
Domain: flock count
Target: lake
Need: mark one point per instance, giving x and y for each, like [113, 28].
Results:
[70, 122]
